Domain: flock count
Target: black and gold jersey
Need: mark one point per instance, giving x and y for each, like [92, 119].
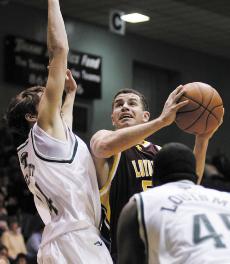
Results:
[131, 172]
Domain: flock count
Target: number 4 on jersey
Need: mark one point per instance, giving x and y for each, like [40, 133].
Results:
[202, 219]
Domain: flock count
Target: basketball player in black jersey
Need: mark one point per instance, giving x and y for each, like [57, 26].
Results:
[124, 160]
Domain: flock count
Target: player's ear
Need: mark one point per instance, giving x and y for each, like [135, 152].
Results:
[30, 117]
[146, 116]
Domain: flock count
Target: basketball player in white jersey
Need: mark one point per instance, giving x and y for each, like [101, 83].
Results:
[56, 164]
[178, 222]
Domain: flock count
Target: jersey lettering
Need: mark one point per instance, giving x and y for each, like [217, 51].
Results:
[23, 159]
[226, 219]
[49, 202]
[146, 184]
[143, 168]
[202, 220]
[29, 169]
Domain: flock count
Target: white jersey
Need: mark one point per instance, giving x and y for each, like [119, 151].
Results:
[184, 223]
[65, 189]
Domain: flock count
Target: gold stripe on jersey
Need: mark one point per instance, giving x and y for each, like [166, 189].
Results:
[105, 190]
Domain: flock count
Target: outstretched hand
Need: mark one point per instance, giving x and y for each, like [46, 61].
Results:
[70, 83]
[172, 105]
[209, 134]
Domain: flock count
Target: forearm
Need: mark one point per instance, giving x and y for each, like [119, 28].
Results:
[200, 150]
[56, 34]
[67, 108]
[109, 143]
[57, 44]
[50, 104]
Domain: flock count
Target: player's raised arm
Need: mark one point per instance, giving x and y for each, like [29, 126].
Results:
[49, 108]
[200, 150]
[67, 107]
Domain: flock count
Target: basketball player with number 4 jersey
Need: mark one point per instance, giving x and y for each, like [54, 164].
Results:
[178, 222]
[125, 161]
[56, 164]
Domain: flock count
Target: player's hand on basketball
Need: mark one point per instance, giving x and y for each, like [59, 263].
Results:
[172, 105]
[70, 83]
[209, 134]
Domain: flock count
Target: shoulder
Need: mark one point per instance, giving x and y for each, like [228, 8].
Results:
[155, 194]
[101, 134]
[150, 145]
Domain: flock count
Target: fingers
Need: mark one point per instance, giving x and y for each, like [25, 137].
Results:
[179, 94]
[69, 75]
[222, 119]
[223, 114]
[70, 84]
[181, 104]
[177, 90]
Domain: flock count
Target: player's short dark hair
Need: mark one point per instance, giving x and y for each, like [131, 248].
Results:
[174, 162]
[127, 90]
[24, 103]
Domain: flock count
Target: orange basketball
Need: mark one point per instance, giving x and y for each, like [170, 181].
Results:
[203, 112]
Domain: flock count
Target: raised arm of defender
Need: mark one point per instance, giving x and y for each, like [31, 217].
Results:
[67, 107]
[49, 118]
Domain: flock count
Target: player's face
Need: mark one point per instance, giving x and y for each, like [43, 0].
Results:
[128, 111]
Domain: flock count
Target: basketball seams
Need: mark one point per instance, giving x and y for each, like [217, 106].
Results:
[199, 104]
[205, 106]
[191, 125]
[191, 99]
[221, 105]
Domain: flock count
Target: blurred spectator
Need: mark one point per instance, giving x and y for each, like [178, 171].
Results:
[4, 255]
[3, 211]
[3, 260]
[3, 215]
[34, 242]
[217, 173]
[3, 181]
[3, 227]
[21, 259]
[3, 251]
[222, 163]
[13, 239]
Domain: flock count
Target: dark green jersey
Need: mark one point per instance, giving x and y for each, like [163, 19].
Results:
[130, 173]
